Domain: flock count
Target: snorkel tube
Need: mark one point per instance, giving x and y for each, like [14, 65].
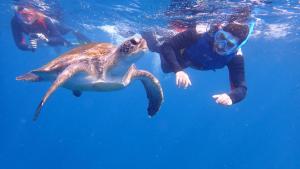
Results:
[251, 28]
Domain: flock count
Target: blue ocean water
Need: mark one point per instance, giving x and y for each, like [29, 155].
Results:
[112, 130]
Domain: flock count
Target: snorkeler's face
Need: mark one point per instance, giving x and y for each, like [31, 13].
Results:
[27, 15]
[225, 43]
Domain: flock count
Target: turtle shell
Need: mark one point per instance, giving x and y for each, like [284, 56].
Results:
[76, 55]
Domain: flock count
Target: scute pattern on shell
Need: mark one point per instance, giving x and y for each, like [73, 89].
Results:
[91, 50]
[80, 54]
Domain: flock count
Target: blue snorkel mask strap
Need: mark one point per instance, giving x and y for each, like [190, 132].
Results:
[251, 28]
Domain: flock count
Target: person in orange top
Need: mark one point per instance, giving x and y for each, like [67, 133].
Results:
[30, 22]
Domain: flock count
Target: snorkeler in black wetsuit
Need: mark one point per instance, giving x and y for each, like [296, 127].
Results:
[210, 50]
[29, 21]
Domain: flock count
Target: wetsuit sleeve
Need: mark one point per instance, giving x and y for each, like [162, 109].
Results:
[18, 35]
[237, 78]
[171, 48]
[55, 37]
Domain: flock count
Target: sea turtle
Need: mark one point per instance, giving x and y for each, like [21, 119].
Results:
[98, 67]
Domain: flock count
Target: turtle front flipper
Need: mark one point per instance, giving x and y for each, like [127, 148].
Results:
[60, 80]
[152, 87]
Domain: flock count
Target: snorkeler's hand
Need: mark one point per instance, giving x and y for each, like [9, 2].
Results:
[182, 79]
[42, 37]
[223, 99]
[32, 44]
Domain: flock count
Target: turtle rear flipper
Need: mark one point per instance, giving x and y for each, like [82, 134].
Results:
[34, 75]
[60, 80]
[29, 77]
[151, 85]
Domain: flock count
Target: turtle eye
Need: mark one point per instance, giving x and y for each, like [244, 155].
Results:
[134, 41]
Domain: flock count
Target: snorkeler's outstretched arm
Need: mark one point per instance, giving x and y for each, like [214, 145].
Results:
[171, 47]
[237, 78]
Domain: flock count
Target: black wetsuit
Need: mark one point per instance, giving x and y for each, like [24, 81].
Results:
[53, 31]
[173, 60]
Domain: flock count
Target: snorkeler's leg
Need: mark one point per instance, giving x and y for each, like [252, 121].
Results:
[82, 39]
[155, 37]
[152, 41]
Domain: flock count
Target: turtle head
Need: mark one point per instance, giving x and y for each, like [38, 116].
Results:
[132, 47]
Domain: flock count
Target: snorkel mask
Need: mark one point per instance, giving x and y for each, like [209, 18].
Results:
[226, 44]
[26, 15]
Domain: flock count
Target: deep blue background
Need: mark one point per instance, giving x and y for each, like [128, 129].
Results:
[112, 130]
